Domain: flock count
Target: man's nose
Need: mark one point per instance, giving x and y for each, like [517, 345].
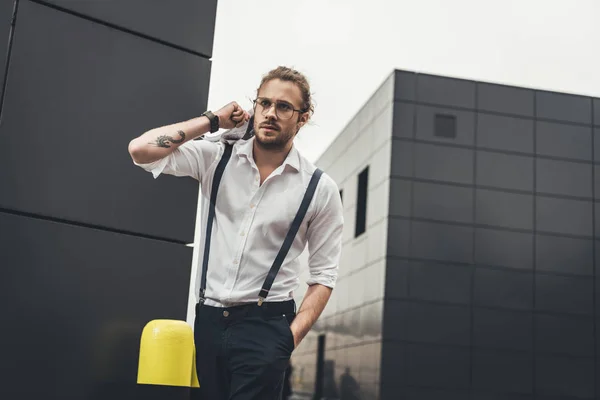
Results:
[271, 112]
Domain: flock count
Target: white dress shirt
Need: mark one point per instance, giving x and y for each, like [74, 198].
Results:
[252, 220]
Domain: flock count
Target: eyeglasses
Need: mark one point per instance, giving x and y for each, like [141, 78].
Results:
[283, 109]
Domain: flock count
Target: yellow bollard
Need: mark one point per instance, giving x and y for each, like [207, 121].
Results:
[168, 357]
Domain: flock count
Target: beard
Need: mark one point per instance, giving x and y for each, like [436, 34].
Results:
[275, 141]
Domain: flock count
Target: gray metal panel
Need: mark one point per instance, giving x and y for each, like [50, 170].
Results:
[563, 107]
[76, 300]
[403, 154]
[398, 237]
[502, 329]
[445, 323]
[443, 202]
[445, 91]
[564, 140]
[563, 178]
[438, 162]
[596, 145]
[403, 119]
[564, 255]
[186, 23]
[506, 289]
[405, 85]
[503, 209]
[495, 370]
[503, 248]
[566, 216]
[437, 366]
[6, 10]
[597, 112]
[440, 282]
[505, 99]
[400, 195]
[435, 241]
[66, 129]
[516, 171]
[504, 133]
[596, 182]
[564, 294]
[572, 336]
[564, 377]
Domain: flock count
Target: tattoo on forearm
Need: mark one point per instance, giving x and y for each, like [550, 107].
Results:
[166, 141]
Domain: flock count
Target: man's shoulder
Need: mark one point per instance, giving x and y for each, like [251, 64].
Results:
[309, 168]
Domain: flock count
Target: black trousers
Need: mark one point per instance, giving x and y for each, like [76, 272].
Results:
[242, 352]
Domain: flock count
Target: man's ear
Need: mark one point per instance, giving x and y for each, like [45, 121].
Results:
[302, 120]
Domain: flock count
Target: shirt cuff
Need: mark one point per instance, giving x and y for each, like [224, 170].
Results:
[156, 167]
[321, 278]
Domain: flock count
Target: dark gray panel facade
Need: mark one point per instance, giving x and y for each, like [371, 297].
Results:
[439, 163]
[404, 119]
[91, 247]
[186, 23]
[564, 216]
[564, 140]
[492, 245]
[77, 300]
[565, 255]
[499, 132]
[502, 228]
[564, 107]
[502, 329]
[79, 121]
[6, 12]
[564, 377]
[502, 371]
[445, 91]
[503, 289]
[504, 171]
[440, 282]
[405, 86]
[563, 178]
[597, 144]
[442, 202]
[505, 99]
[563, 294]
[502, 209]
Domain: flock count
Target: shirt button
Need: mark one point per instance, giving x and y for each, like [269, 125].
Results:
[235, 261]
[226, 313]
[251, 205]
[243, 234]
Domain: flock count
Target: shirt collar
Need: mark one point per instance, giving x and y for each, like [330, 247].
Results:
[293, 158]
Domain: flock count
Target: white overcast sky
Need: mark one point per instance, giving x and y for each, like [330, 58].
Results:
[347, 48]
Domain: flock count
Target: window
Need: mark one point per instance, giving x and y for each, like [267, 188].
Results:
[361, 202]
[445, 126]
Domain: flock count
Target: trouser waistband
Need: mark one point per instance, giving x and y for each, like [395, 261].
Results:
[266, 310]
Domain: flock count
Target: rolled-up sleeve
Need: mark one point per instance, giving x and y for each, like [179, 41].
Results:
[324, 235]
[192, 158]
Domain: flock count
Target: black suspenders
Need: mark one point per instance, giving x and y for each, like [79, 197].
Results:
[211, 216]
[287, 243]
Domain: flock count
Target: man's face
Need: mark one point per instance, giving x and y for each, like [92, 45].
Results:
[271, 130]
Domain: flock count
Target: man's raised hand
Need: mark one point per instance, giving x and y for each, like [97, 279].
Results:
[232, 115]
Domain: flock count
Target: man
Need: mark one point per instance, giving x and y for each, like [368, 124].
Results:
[244, 342]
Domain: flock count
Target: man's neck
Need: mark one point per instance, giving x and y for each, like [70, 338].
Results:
[269, 158]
